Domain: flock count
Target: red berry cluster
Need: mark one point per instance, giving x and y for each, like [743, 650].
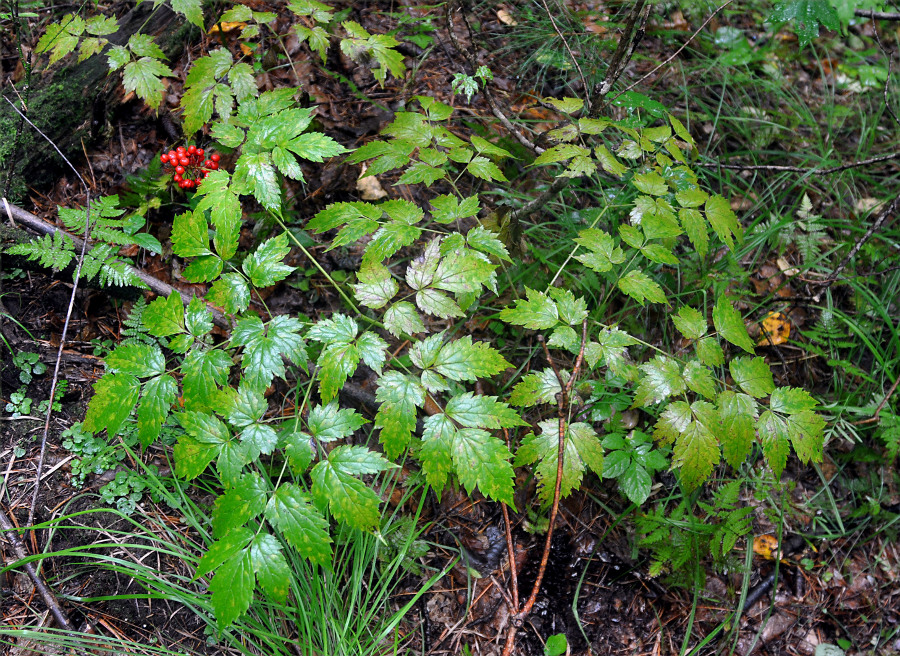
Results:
[190, 167]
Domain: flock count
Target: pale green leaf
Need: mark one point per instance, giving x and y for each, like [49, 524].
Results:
[752, 375]
[730, 325]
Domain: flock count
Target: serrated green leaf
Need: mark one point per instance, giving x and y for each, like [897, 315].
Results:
[298, 450]
[421, 172]
[142, 360]
[709, 352]
[690, 323]
[190, 235]
[730, 325]
[62, 37]
[191, 10]
[449, 208]
[806, 430]
[230, 292]
[258, 173]
[222, 550]
[806, 15]
[662, 379]
[604, 253]
[463, 360]
[483, 461]
[651, 183]
[335, 485]
[203, 370]
[203, 269]
[484, 240]
[538, 312]
[143, 78]
[641, 287]
[331, 422]
[539, 387]
[265, 265]
[266, 346]
[582, 450]
[241, 503]
[790, 400]
[699, 379]
[673, 421]
[752, 375]
[197, 318]
[774, 435]
[659, 254]
[696, 453]
[481, 412]
[271, 567]
[436, 451]
[566, 105]
[158, 396]
[304, 527]
[217, 196]
[737, 413]
[401, 318]
[375, 291]
[388, 240]
[482, 167]
[232, 589]
[114, 398]
[437, 303]
[723, 220]
[399, 395]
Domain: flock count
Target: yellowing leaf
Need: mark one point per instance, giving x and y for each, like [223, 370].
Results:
[776, 329]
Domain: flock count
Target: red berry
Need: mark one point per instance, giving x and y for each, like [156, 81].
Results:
[179, 170]
[215, 157]
[192, 148]
[206, 174]
[180, 149]
[177, 178]
[173, 155]
[207, 163]
[200, 152]
[164, 158]
[184, 161]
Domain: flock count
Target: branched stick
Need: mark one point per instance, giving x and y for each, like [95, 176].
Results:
[562, 408]
[46, 593]
[572, 56]
[156, 285]
[632, 34]
[883, 216]
[800, 169]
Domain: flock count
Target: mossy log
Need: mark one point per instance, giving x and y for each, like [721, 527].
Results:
[71, 103]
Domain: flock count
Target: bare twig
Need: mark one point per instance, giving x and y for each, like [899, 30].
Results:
[632, 33]
[800, 169]
[877, 15]
[157, 286]
[888, 211]
[572, 56]
[887, 397]
[678, 52]
[46, 594]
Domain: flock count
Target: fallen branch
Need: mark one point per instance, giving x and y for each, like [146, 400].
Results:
[877, 15]
[156, 285]
[800, 169]
[46, 593]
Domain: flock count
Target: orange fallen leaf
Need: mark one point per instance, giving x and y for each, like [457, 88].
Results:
[776, 329]
[766, 546]
[227, 26]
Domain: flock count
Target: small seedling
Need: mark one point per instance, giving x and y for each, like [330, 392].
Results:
[29, 365]
[19, 403]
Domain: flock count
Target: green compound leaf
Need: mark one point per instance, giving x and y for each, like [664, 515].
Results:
[447, 209]
[582, 451]
[266, 346]
[436, 451]
[159, 395]
[191, 10]
[806, 430]
[538, 312]
[143, 78]
[730, 325]
[232, 589]
[774, 436]
[536, 388]
[690, 322]
[230, 292]
[482, 460]
[304, 527]
[737, 413]
[224, 206]
[399, 396]
[695, 226]
[335, 485]
[482, 167]
[699, 379]
[197, 318]
[376, 287]
[271, 567]
[331, 422]
[723, 220]
[222, 550]
[203, 269]
[240, 504]
[257, 171]
[709, 352]
[165, 316]
[140, 360]
[752, 375]
[482, 412]
[662, 378]
[807, 15]
[650, 183]
[604, 253]
[204, 371]
[790, 400]
[114, 398]
[641, 287]
[264, 266]
[190, 235]
[463, 360]
[696, 448]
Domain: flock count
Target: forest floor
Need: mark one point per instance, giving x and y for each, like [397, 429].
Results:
[838, 583]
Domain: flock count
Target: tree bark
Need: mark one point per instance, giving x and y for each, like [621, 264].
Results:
[71, 101]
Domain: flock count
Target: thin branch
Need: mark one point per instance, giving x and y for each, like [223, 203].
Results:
[46, 594]
[877, 15]
[800, 169]
[157, 286]
[883, 216]
[887, 397]
[633, 32]
[572, 56]
[678, 52]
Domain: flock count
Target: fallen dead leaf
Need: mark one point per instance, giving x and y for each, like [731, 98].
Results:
[369, 187]
[776, 329]
[505, 17]
[766, 546]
